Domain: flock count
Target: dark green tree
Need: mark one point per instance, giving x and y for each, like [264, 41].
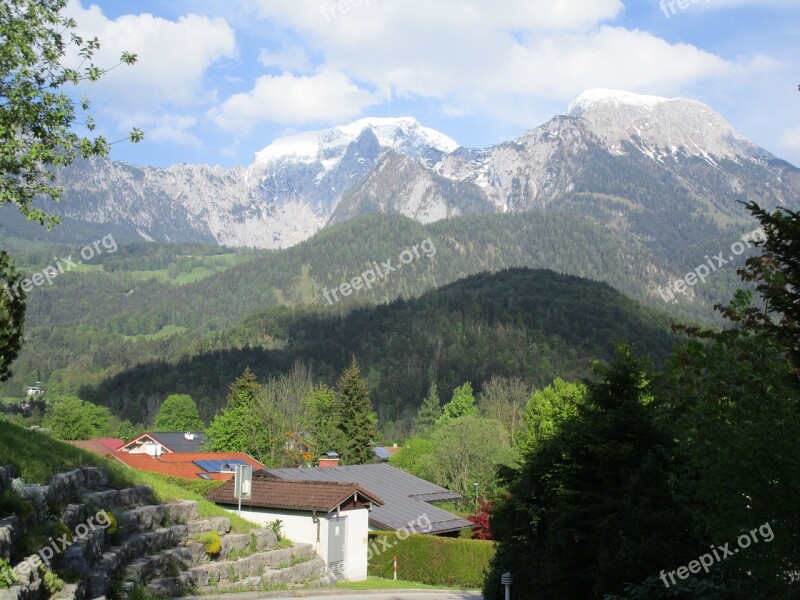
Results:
[179, 412]
[356, 418]
[12, 314]
[592, 506]
[429, 412]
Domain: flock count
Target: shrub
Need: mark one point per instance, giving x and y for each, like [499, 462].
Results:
[7, 576]
[12, 504]
[277, 528]
[480, 521]
[212, 542]
[432, 560]
[53, 582]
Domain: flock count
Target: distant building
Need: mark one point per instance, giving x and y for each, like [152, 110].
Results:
[296, 444]
[384, 453]
[32, 390]
[156, 443]
[187, 465]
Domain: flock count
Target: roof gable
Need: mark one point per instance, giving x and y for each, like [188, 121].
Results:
[324, 496]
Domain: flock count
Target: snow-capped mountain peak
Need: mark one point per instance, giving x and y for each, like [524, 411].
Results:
[593, 99]
[404, 134]
[660, 127]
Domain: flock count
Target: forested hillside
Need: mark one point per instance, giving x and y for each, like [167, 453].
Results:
[149, 302]
[534, 324]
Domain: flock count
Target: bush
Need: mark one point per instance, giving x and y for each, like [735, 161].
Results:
[53, 582]
[7, 576]
[432, 560]
[12, 504]
[277, 528]
[212, 542]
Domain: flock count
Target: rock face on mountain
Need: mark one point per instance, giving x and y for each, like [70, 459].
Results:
[621, 157]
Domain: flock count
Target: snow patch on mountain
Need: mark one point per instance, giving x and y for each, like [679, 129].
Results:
[661, 128]
[405, 135]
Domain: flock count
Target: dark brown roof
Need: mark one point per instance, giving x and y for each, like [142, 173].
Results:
[298, 495]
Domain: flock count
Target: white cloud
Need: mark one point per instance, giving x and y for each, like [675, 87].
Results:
[790, 140]
[173, 56]
[327, 96]
[474, 57]
[289, 58]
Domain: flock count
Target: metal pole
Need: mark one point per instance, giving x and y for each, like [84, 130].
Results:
[395, 568]
[239, 512]
[505, 579]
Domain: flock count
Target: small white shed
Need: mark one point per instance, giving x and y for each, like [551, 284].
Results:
[332, 516]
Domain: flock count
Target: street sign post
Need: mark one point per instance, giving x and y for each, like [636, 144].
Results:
[243, 484]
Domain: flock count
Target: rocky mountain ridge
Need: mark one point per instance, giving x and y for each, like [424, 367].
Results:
[609, 144]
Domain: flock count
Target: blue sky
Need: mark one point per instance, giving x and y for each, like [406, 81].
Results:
[218, 80]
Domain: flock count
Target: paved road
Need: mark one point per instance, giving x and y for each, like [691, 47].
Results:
[399, 595]
[353, 595]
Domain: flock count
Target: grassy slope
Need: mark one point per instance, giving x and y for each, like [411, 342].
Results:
[37, 457]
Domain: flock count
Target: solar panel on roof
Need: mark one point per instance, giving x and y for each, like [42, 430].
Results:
[219, 466]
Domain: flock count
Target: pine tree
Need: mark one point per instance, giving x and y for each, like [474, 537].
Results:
[244, 390]
[592, 507]
[356, 419]
[430, 411]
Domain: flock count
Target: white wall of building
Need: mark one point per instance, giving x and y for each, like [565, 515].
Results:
[304, 528]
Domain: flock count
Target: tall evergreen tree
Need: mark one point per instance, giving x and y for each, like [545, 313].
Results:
[592, 507]
[356, 419]
[429, 412]
[244, 390]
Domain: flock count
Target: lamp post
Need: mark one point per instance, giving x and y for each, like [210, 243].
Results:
[505, 579]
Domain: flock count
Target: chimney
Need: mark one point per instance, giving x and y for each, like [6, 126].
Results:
[329, 459]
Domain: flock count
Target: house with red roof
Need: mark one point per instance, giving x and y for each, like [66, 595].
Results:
[189, 465]
[150, 452]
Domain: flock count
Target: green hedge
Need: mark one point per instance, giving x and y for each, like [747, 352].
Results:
[431, 559]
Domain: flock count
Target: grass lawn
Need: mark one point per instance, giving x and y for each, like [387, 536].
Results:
[37, 457]
[376, 583]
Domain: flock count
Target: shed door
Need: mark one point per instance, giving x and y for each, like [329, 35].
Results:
[337, 544]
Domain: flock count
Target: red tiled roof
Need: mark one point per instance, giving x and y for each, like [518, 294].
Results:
[182, 465]
[298, 495]
[92, 446]
[112, 444]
